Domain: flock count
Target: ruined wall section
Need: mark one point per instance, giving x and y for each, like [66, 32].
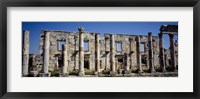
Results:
[107, 51]
[128, 43]
[90, 38]
[102, 45]
[55, 54]
[156, 50]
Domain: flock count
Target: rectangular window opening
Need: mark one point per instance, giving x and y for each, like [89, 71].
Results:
[86, 46]
[61, 45]
[142, 48]
[119, 46]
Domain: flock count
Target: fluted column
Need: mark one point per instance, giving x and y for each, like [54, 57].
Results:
[97, 51]
[139, 55]
[81, 52]
[162, 56]
[151, 63]
[172, 51]
[25, 53]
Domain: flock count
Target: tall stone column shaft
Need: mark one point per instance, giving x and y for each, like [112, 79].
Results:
[162, 56]
[107, 62]
[97, 50]
[57, 64]
[81, 53]
[76, 67]
[46, 53]
[131, 52]
[127, 67]
[107, 66]
[172, 51]
[151, 63]
[65, 60]
[146, 50]
[139, 59]
[112, 52]
[25, 53]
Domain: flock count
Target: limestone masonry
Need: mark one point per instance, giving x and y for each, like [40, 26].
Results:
[87, 53]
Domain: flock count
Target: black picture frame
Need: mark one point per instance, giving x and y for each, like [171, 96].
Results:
[99, 3]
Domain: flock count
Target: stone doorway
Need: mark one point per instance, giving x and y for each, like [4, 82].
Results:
[144, 61]
[119, 62]
[86, 61]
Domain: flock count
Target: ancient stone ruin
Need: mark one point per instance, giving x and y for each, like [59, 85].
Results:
[89, 54]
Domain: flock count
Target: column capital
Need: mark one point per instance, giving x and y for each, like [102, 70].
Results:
[80, 29]
[150, 33]
[160, 34]
[171, 35]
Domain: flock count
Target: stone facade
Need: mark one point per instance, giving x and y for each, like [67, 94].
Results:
[115, 53]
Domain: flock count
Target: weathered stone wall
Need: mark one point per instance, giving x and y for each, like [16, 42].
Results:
[128, 42]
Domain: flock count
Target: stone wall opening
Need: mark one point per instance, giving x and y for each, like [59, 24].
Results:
[119, 46]
[119, 62]
[60, 44]
[86, 61]
[60, 61]
[86, 46]
[142, 47]
[144, 60]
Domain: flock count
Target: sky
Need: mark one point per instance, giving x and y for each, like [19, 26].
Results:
[133, 28]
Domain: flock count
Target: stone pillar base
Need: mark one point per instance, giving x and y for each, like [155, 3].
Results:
[153, 71]
[81, 74]
[34, 73]
[113, 73]
[127, 72]
[120, 71]
[164, 70]
[64, 75]
[44, 74]
[140, 72]
[97, 73]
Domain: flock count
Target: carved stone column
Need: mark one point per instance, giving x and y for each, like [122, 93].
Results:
[146, 50]
[57, 64]
[172, 51]
[45, 69]
[151, 62]
[162, 56]
[131, 52]
[97, 51]
[65, 60]
[126, 66]
[25, 52]
[81, 52]
[76, 67]
[112, 53]
[139, 55]
[107, 58]
[107, 62]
